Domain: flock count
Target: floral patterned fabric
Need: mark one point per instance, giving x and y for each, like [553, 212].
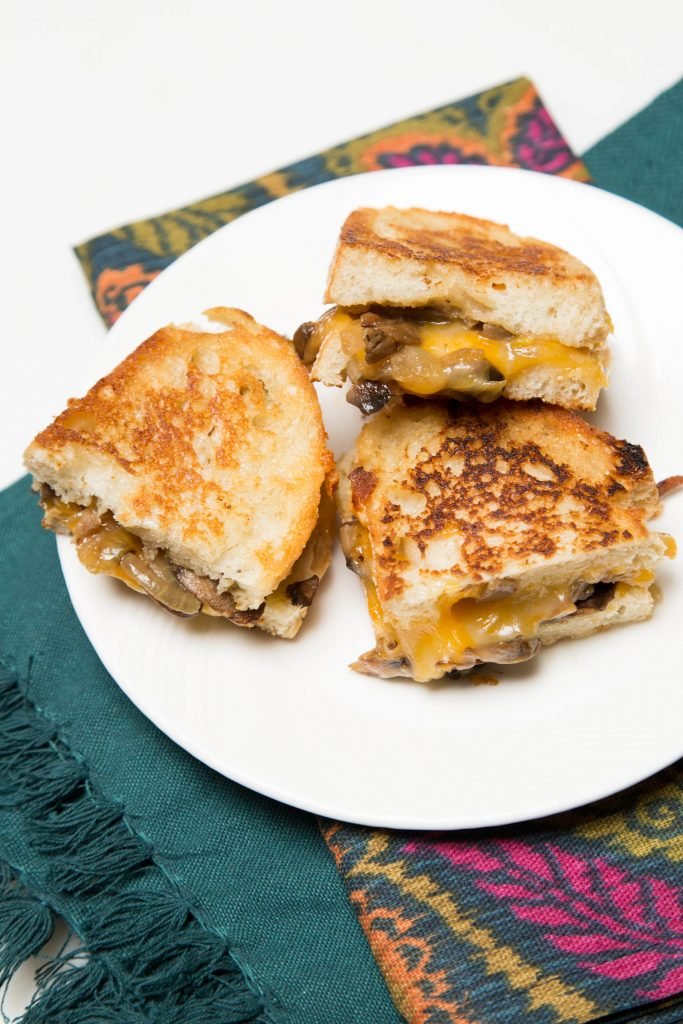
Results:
[573, 919]
[507, 126]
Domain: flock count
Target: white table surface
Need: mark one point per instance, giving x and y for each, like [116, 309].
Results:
[116, 112]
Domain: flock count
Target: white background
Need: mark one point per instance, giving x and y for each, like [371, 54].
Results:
[117, 111]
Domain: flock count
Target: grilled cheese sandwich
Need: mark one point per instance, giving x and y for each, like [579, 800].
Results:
[197, 472]
[440, 304]
[481, 534]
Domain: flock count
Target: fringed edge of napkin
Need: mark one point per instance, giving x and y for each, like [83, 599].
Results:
[144, 946]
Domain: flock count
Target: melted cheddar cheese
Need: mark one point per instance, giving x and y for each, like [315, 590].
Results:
[467, 627]
[670, 543]
[464, 625]
[473, 626]
[510, 357]
[513, 355]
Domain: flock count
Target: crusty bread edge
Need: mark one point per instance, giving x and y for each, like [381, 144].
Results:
[362, 273]
[330, 363]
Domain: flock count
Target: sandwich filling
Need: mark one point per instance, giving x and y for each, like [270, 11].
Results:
[427, 352]
[104, 546]
[500, 622]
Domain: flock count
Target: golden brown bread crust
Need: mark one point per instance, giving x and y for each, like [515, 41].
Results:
[482, 248]
[479, 269]
[192, 444]
[512, 485]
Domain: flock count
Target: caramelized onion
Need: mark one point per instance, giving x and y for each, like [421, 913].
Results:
[158, 580]
[351, 539]
[464, 372]
[468, 372]
[494, 333]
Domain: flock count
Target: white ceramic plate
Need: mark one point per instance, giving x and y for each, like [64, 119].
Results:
[289, 719]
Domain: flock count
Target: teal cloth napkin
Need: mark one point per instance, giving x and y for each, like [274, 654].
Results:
[643, 159]
[178, 881]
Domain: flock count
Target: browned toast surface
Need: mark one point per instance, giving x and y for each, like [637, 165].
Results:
[482, 248]
[479, 493]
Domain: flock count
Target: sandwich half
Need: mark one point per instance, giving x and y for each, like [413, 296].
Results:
[433, 303]
[197, 472]
[482, 533]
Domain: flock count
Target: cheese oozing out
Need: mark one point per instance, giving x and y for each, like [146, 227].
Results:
[475, 626]
[465, 629]
[466, 632]
[426, 368]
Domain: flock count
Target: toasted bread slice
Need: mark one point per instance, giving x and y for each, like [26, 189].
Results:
[206, 446]
[482, 533]
[415, 257]
[434, 303]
